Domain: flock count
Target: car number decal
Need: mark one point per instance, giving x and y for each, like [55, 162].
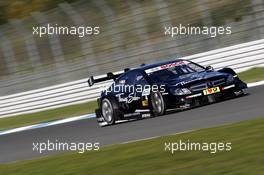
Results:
[211, 90]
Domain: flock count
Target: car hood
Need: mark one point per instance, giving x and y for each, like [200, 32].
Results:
[188, 79]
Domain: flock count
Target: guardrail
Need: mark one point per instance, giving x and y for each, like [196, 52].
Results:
[132, 32]
[239, 57]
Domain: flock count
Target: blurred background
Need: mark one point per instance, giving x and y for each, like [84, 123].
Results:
[132, 33]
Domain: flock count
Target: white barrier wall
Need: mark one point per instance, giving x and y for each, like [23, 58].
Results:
[239, 57]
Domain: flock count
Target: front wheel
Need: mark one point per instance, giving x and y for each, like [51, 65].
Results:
[158, 106]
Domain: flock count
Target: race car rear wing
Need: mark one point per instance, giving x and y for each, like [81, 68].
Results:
[109, 76]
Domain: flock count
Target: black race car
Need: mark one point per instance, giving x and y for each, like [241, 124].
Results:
[167, 85]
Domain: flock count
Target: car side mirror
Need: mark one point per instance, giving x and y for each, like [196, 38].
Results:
[209, 68]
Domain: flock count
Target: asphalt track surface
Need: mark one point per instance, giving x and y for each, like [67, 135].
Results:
[18, 146]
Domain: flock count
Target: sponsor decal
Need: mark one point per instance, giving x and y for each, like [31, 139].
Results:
[166, 66]
[211, 90]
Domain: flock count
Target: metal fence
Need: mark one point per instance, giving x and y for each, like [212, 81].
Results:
[132, 32]
[239, 57]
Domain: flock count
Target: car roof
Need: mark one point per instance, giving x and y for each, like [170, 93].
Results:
[149, 66]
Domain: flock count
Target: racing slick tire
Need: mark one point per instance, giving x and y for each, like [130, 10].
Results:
[109, 110]
[158, 105]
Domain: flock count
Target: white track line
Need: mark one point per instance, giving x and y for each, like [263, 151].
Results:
[52, 123]
[258, 83]
[71, 119]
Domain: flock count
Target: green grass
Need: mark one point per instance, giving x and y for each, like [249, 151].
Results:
[49, 115]
[255, 74]
[149, 158]
[252, 75]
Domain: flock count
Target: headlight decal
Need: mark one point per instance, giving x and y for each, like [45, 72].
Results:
[181, 91]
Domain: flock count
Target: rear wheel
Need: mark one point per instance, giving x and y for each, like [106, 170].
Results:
[109, 108]
[158, 106]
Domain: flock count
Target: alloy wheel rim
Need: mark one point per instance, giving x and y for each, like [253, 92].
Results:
[107, 110]
[157, 103]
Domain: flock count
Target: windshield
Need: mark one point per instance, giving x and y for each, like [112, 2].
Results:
[176, 71]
